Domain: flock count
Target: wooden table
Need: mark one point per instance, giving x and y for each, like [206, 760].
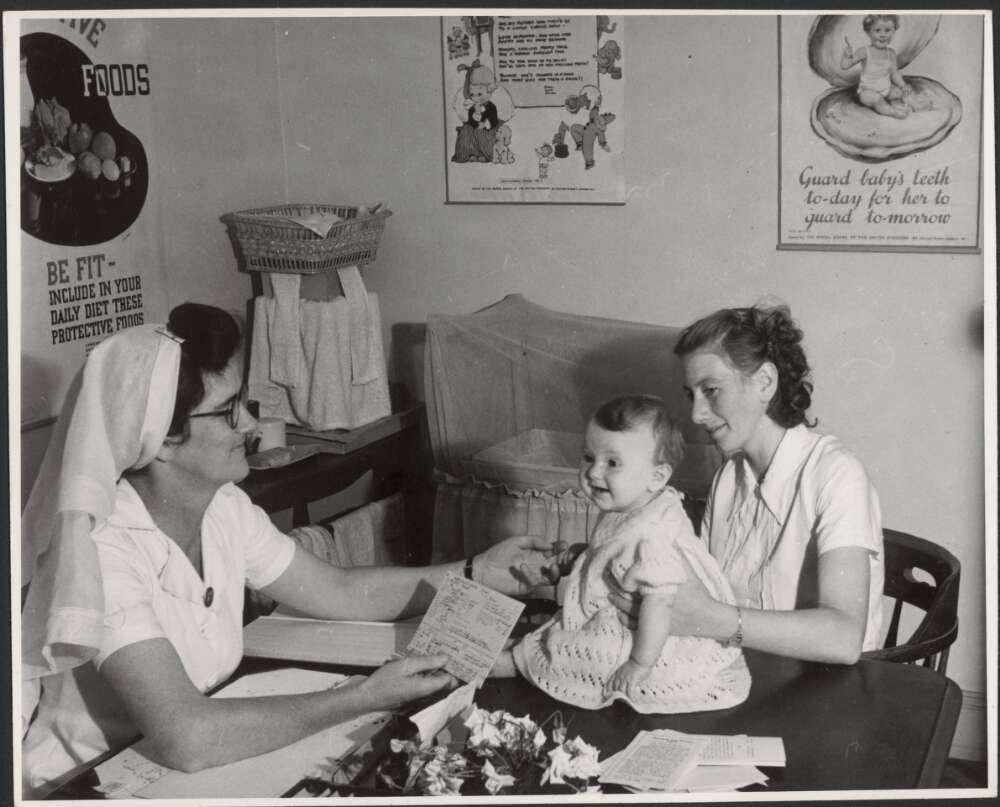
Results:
[874, 725]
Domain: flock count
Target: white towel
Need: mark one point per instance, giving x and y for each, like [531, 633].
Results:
[365, 537]
[326, 397]
[319, 223]
[364, 366]
[318, 541]
[283, 329]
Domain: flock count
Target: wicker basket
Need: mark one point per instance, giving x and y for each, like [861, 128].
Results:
[272, 242]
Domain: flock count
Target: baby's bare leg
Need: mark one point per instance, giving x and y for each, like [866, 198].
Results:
[877, 102]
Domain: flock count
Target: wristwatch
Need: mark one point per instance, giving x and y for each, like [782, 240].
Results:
[736, 640]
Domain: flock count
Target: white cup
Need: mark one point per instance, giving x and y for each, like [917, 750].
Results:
[272, 433]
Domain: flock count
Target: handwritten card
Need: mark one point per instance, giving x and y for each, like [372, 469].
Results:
[468, 623]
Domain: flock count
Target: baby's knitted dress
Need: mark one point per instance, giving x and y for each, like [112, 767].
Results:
[573, 655]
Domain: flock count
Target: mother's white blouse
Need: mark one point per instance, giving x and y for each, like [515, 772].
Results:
[815, 497]
[151, 590]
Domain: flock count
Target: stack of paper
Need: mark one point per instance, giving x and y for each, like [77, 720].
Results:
[361, 644]
[668, 760]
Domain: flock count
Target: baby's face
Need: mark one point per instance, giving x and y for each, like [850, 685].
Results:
[882, 32]
[617, 469]
[479, 92]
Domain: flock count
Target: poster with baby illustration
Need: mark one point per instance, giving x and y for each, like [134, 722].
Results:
[534, 109]
[89, 221]
[880, 131]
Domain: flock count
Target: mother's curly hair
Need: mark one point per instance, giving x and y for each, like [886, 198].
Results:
[750, 337]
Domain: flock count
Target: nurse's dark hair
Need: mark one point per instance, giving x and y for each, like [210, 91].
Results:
[627, 412]
[751, 336]
[211, 338]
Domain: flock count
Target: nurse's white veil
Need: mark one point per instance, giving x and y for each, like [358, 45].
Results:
[115, 418]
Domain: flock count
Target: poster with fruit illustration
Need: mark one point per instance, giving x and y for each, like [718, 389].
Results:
[89, 221]
[535, 108]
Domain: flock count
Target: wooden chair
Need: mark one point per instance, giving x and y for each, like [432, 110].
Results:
[938, 629]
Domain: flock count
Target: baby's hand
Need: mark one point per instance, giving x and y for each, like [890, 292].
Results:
[627, 679]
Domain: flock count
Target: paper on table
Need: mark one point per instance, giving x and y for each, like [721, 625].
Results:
[740, 749]
[654, 760]
[469, 623]
[363, 644]
[707, 778]
[271, 774]
[431, 720]
[125, 773]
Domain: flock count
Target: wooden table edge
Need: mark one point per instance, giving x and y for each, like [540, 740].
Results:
[944, 731]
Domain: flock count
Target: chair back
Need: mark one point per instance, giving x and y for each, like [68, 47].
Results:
[938, 629]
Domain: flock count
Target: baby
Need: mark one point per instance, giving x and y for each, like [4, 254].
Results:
[882, 86]
[643, 541]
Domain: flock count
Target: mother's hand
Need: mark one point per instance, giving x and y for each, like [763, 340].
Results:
[690, 604]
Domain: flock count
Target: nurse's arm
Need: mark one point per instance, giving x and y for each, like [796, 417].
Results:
[515, 566]
[189, 731]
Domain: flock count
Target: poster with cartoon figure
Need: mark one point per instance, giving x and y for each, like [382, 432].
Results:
[534, 108]
[880, 131]
[89, 221]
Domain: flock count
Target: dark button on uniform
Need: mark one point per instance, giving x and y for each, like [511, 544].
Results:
[209, 596]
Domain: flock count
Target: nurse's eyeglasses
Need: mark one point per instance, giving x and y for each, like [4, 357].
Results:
[231, 413]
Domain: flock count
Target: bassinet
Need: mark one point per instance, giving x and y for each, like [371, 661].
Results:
[509, 389]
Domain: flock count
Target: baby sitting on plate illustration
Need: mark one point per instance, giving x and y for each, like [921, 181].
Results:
[873, 112]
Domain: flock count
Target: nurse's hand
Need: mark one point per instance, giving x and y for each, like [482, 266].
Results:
[518, 566]
[398, 682]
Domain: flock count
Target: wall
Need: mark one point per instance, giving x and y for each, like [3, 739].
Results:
[350, 110]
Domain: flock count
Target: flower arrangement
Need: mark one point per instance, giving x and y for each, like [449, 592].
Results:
[502, 755]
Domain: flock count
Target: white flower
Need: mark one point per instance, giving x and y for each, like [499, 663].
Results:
[438, 776]
[483, 729]
[444, 786]
[496, 781]
[574, 759]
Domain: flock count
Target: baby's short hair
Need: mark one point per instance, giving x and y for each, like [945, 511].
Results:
[626, 412]
[871, 19]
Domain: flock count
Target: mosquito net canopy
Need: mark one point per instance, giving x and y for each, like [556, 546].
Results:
[509, 391]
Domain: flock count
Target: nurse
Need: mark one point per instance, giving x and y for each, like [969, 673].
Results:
[138, 545]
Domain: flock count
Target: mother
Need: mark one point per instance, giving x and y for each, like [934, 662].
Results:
[138, 546]
[792, 517]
